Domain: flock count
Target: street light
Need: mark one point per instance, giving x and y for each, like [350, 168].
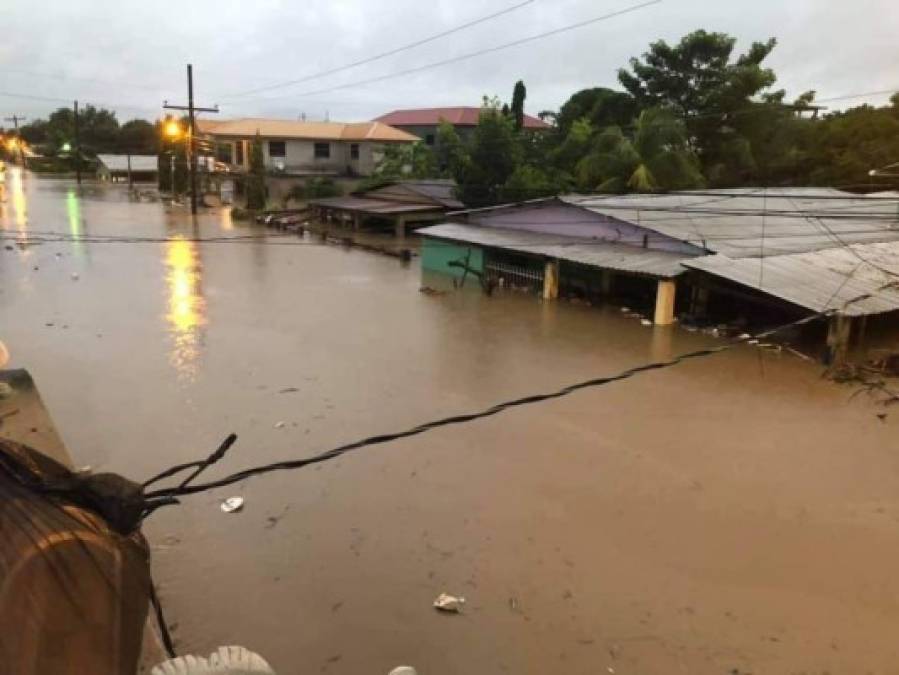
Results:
[66, 147]
[172, 129]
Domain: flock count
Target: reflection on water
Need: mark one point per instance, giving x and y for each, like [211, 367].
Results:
[73, 209]
[186, 304]
[19, 201]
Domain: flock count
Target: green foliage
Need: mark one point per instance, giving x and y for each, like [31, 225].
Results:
[314, 188]
[492, 157]
[138, 137]
[255, 186]
[532, 182]
[600, 106]
[656, 157]
[449, 152]
[519, 94]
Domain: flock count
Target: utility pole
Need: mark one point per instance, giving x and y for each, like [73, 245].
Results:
[192, 154]
[15, 119]
[77, 148]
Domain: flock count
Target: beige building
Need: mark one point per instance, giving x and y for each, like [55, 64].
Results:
[303, 148]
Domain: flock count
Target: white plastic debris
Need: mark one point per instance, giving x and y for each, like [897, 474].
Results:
[645, 322]
[224, 661]
[75, 276]
[232, 504]
[280, 425]
[403, 670]
[449, 603]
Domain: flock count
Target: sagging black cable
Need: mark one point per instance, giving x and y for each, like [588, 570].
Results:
[461, 419]
[167, 642]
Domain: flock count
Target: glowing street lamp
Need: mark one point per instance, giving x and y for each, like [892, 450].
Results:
[66, 147]
[172, 129]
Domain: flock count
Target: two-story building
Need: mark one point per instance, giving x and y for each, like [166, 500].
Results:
[303, 148]
[423, 122]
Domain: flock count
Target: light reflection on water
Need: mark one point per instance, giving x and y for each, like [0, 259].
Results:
[186, 315]
[18, 198]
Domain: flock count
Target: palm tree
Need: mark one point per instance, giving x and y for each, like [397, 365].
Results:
[656, 157]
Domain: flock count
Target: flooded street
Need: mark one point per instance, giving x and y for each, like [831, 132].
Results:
[734, 514]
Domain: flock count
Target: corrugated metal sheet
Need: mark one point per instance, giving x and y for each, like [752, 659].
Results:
[821, 280]
[139, 163]
[755, 222]
[600, 254]
[373, 206]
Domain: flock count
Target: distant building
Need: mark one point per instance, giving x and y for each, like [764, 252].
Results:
[136, 168]
[302, 148]
[423, 122]
[402, 204]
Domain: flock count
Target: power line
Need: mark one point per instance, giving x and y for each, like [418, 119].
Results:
[383, 55]
[471, 55]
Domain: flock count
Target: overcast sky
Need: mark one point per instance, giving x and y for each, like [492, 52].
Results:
[131, 55]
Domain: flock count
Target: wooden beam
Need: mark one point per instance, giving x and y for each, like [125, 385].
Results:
[839, 333]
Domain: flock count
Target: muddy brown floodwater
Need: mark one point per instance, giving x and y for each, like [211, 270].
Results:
[733, 514]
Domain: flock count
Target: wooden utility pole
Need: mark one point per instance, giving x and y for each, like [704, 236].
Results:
[77, 147]
[15, 119]
[192, 153]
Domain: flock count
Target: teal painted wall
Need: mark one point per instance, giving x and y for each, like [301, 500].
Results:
[436, 253]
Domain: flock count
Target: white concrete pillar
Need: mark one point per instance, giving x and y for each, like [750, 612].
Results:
[551, 280]
[665, 292]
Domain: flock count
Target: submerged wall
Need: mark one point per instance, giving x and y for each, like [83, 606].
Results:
[436, 254]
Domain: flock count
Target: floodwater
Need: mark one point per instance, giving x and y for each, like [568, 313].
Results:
[734, 514]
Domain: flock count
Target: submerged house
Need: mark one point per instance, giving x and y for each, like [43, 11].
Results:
[131, 168]
[402, 204]
[423, 122]
[302, 148]
[795, 250]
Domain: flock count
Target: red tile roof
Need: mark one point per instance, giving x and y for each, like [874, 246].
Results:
[459, 116]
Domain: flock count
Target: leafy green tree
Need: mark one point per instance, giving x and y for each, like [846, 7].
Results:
[600, 106]
[449, 151]
[256, 190]
[492, 157]
[138, 137]
[699, 81]
[519, 94]
[532, 182]
[656, 157]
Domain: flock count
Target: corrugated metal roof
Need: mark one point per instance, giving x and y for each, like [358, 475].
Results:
[139, 163]
[601, 254]
[323, 131]
[462, 116]
[819, 280]
[441, 190]
[373, 206]
[754, 222]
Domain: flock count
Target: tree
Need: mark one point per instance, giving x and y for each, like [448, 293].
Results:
[138, 137]
[600, 106]
[518, 96]
[493, 156]
[532, 182]
[656, 157]
[449, 151]
[699, 82]
[256, 191]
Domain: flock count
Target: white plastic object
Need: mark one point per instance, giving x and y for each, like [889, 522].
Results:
[224, 661]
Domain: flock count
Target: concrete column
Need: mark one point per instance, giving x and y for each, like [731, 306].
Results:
[838, 335]
[400, 226]
[607, 282]
[551, 280]
[665, 293]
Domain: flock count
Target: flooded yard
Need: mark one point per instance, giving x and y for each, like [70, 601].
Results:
[734, 514]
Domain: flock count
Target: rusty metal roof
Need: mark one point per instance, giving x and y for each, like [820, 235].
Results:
[855, 280]
[460, 116]
[593, 252]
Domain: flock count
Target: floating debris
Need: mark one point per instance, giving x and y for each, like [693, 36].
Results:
[288, 390]
[75, 276]
[280, 425]
[645, 322]
[232, 504]
[449, 603]
[403, 670]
